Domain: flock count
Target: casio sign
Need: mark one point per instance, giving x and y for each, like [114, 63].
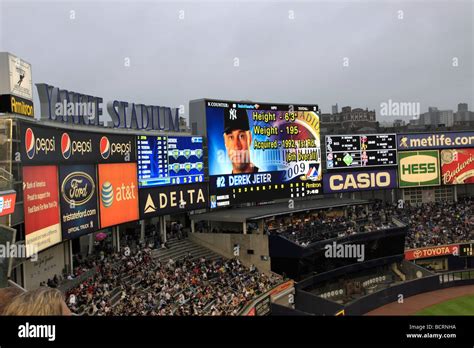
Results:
[359, 181]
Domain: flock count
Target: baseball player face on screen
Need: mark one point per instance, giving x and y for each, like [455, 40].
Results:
[237, 140]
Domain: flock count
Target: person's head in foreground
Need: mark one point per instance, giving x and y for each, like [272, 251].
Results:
[42, 301]
[7, 295]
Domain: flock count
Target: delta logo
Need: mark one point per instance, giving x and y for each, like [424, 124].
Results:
[107, 148]
[69, 147]
[34, 145]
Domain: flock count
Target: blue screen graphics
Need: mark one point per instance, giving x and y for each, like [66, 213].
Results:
[167, 160]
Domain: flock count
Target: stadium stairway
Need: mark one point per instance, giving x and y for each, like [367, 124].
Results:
[178, 249]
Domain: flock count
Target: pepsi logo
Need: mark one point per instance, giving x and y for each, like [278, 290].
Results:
[30, 143]
[35, 145]
[104, 147]
[66, 147]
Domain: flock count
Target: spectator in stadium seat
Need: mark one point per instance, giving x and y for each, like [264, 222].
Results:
[42, 301]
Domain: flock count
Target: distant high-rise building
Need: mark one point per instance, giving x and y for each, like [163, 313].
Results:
[446, 118]
[463, 117]
[335, 109]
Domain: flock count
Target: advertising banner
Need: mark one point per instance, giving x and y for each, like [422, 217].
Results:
[267, 146]
[41, 207]
[423, 253]
[7, 202]
[457, 166]
[419, 168]
[429, 141]
[172, 199]
[118, 193]
[79, 212]
[47, 145]
[360, 180]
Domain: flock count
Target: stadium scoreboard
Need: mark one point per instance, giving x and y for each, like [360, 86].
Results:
[466, 250]
[355, 151]
[167, 160]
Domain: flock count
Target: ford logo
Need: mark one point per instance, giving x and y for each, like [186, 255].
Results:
[78, 188]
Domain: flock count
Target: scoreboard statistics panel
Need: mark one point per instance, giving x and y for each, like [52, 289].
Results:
[360, 151]
[169, 160]
[261, 152]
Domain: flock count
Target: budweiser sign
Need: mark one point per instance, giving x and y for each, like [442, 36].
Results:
[423, 253]
[457, 166]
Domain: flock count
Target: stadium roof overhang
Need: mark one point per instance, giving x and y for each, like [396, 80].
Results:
[244, 214]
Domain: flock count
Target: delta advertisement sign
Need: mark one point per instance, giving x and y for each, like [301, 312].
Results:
[457, 166]
[360, 180]
[118, 193]
[50, 145]
[428, 252]
[41, 208]
[419, 168]
[172, 199]
[79, 211]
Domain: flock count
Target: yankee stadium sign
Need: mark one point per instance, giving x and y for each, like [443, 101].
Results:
[64, 106]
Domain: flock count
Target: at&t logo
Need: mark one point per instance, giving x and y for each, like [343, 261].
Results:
[107, 194]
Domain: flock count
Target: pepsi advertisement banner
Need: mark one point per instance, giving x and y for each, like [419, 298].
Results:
[172, 199]
[262, 147]
[429, 141]
[78, 197]
[169, 160]
[337, 182]
[40, 144]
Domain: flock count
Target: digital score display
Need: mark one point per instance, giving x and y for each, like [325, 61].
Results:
[356, 151]
[262, 152]
[466, 250]
[167, 160]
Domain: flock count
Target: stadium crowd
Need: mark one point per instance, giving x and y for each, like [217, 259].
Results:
[429, 224]
[138, 285]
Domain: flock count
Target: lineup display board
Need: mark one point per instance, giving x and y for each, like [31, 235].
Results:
[46, 145]
[79, 211]
[169, 160]
[118, 193]
[419, 168]
[457, 166]
[259, 152]
[356, 151]
[41, 208]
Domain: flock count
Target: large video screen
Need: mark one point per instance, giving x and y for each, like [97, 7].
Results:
[356, 151]
[262, 152]
[169, 160]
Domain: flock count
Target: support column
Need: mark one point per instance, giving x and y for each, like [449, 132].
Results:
[456, 194]
[114, 238]
[192, 227]
[163, 229]
[118, 238]
[245, 227]
[91, 243]
[142, 231]
[71, 259]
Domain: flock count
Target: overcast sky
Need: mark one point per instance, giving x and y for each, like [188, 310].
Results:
[286, 51]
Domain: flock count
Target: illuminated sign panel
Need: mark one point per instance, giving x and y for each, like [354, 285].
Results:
[336, 182]
[427, 141]
[419, 168]
[261, 152]
[457, 166]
